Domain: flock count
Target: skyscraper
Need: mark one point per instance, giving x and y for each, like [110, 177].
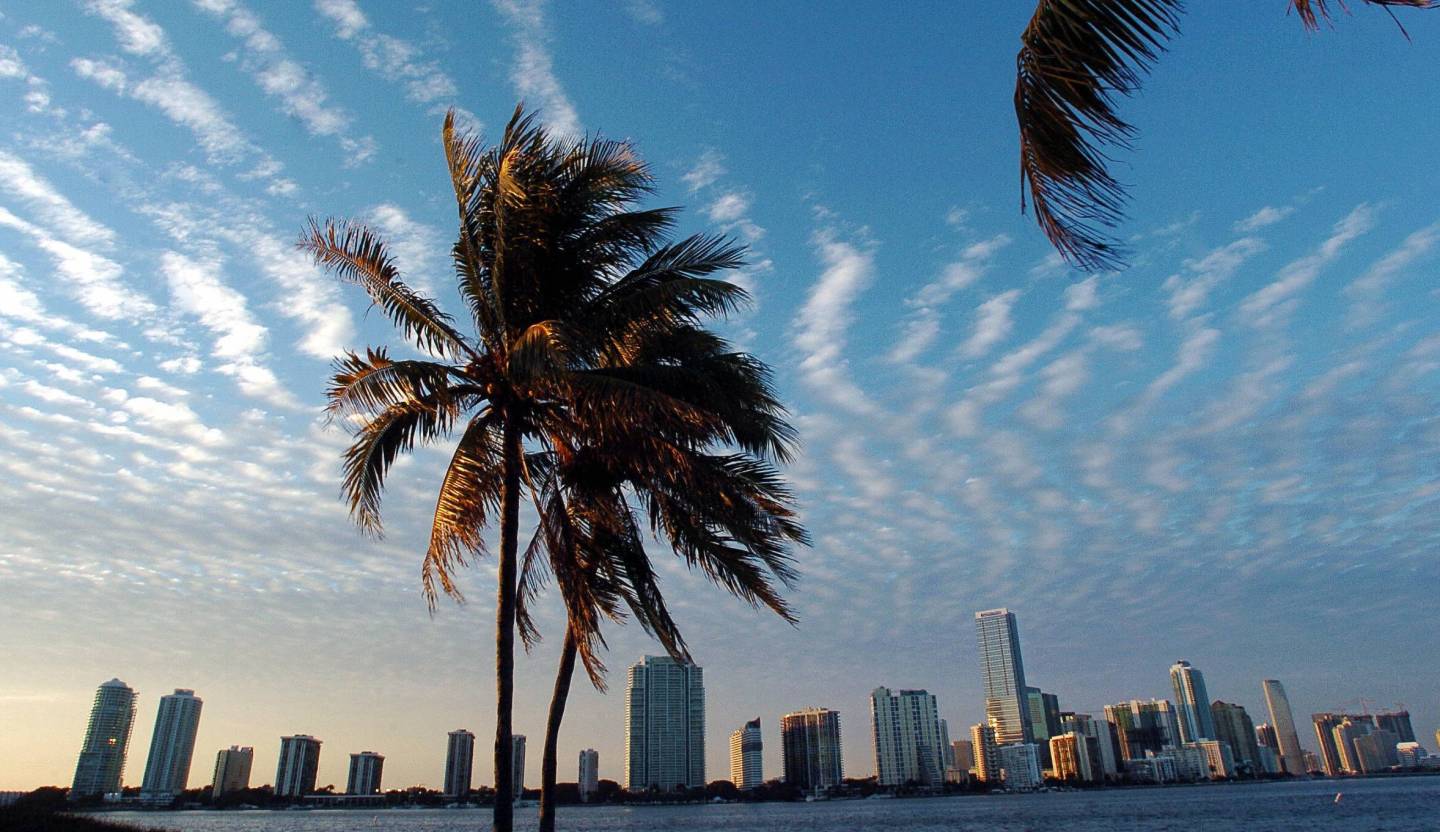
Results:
[107, 737]
[664, 725]
[589, 773]
[906, 730]
[987, 754]
[962, 756]
[1292, 755]
[1003, 675]
[1336, 752]
[232, 770]
[1020, 765]
[167, 770]
[517, 762]
[1142, 727]
[1102, 745]
[1072, 760]
[459, 763]
[1397, 723]
[745, 751]
[365, 770]
[1235, 728]
[810, 745]
[1193, 702]
[299, 762]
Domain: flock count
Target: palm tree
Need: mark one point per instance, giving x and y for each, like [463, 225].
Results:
[727, 513]
[1075, 56]
[554, 263]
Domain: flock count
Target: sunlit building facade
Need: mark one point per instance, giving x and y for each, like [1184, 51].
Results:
[1192, 702]
[987, 753]
[1235, 728]
[1002, 672]
[232, 770]
[1292, 754]
[745, 755]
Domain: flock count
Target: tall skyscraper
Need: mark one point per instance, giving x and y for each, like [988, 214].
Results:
[987, 754]
[299, 762]
[1397, 723]
[589, 773]
[1142, 727]
[1292, 755]
[745, 752]
[906, 730]
[1193, 702]
[810, 744]
[365, 770]
[459, 763]
[232, 770]
[167, 771]
[1003, 674]
[1235, 728]
[1336, 756]
[517, 761]
[664, 725]
[107, 737]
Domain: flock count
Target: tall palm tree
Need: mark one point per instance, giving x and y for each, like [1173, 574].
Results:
[553, 262]
[727, 513]
[1075, 56]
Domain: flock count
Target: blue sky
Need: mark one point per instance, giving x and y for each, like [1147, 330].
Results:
[1225, 453]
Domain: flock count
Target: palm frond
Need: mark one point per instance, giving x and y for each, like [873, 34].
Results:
[370, 383]
[356, 255]
[1075, 56]
[469, 496]
[378, 442]
[1312, 12]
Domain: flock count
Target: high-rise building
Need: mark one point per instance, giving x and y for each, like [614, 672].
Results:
[1143, 727]
[664, 725]
[1397, 723]
[1335, 758]
[1219, 761]
[1292, 755]
[1410, 754]
[947, 753]
[1071, 758]
[987, 753]
[1192, 701]
[745, 751]
[459, 763]
[589, 779]
[517, 763]
[1020, 765]
[299, 763]
[1034, 702]
[1234, 727]
[107, 737]
[232, 770]
[1345, 734]
[365, 770]
[962, 753]
[167, 771]
[810, 745]
[1002, 673]
[906, 730]
[1102, 744]
[1376, 751]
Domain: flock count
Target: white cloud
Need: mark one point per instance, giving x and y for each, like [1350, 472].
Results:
[95, 281]
[992, 324]
[534, 72]
[961, 273]
[824, 321]
[707, 170]
[1189, 290]
[419, 249]
[11, 66]
[1367, 291]
[1271, 304]
[389, 57]
[63, 218]
[1269, 215]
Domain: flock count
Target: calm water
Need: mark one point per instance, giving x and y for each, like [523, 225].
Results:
[1411, 804]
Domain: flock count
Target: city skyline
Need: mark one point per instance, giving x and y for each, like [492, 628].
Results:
[1243, 419]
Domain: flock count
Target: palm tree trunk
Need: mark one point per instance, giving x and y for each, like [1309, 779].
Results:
[552, 732]
[505, 635]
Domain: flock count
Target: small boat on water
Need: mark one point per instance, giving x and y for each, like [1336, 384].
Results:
[1339, 795]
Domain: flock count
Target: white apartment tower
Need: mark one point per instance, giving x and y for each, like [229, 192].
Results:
[589, 773]
[664, 725]
[107, 737]
[232, 770]
[517, 763]
[167, 771]
[745, 752]
[365, 771]
[906, 730]
[299, 762]
[459, 763]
